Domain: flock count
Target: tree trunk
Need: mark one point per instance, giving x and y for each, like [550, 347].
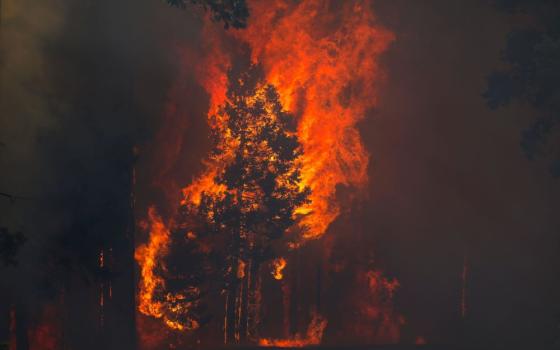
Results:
[244, 299]
[231, 302]
[286, 305]
[231, 294]
[254, 295]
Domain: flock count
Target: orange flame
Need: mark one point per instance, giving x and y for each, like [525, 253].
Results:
[147, 256]
[152, 285]
[278, 266]
[312, 337]
[322, 56]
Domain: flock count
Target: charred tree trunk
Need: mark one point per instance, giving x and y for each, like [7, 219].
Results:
[117, 297]
[249, 297]
[286, 305]
[254, 302]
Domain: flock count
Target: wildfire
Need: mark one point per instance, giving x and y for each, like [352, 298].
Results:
[312, 337]
[323, 58]
[147, 256]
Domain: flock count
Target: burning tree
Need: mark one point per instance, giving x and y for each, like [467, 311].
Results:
[257, 189]
[254, 187]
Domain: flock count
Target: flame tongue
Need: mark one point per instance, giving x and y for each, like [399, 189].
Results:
[322, 56]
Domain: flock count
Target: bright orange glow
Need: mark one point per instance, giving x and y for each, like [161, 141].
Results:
[312, 337]
[322, 56]
[204, 183]
[278, 266]
[147, 256]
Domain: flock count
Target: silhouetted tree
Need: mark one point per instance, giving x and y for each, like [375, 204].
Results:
[533, 75]
[260, 189]
[232, 12]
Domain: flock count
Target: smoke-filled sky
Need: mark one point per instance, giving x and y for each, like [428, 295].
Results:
[83, 83]
[448, 175]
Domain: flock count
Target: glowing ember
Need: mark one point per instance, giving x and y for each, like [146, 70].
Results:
[148, 256]
[326, 72]
[322, 57]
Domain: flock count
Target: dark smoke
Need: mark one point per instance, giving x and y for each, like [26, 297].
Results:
[84, 85]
